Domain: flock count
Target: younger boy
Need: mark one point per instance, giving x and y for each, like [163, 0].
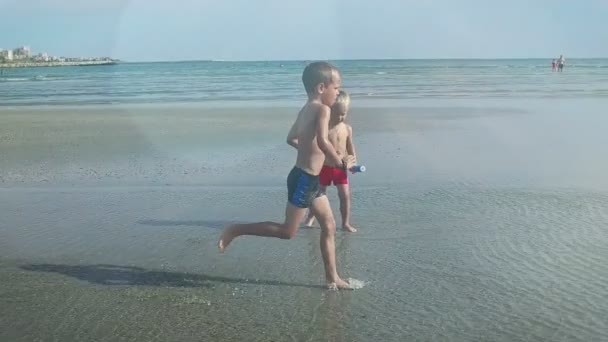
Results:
[309, 136]
[341, 137]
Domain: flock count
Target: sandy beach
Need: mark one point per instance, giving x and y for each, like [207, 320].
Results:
[477, 221]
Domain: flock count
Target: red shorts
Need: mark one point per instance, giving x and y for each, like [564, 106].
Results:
[332, 174]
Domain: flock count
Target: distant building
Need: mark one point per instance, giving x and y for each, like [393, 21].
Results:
[23, 52]
[42, 57]
[6, 54]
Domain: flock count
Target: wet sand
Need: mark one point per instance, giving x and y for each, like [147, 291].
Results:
[475, 224]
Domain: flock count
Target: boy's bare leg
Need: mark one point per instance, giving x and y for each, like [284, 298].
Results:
[322, 211]
[285, 230]
[310, 220]
[344, 195]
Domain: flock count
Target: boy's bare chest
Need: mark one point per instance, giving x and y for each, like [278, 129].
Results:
[337, 136]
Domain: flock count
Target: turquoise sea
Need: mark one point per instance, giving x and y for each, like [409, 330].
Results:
[279, 81]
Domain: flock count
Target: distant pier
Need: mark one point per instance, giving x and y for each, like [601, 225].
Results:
[56, 64]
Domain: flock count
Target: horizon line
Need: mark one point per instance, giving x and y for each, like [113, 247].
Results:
[344, 59]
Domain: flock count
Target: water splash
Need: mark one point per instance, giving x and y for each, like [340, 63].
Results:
[356, 284]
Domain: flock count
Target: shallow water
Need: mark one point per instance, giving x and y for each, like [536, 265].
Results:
[476, 222]
[454, 262]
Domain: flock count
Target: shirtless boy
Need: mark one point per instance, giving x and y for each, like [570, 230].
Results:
[341, 138]
[309, 135]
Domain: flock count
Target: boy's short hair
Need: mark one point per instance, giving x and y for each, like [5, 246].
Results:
[315, 73]
[342, 99]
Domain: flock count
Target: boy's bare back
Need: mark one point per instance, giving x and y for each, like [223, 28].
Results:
[310, 156]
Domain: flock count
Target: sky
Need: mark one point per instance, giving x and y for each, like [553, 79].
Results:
[150, 30]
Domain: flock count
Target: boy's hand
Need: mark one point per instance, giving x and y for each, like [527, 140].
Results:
[348, 162]
[354, 162]
[354, 159]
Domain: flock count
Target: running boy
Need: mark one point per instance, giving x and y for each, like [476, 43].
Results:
[309, 135]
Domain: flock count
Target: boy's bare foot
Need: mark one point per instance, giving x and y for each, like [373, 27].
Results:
[339, 284]
[226, 238]
[309, 223]
[349, 228]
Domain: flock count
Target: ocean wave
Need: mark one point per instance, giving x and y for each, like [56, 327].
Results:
[13, 79]
[30, 78]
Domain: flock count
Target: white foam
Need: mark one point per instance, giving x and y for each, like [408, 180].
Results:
[356, 284]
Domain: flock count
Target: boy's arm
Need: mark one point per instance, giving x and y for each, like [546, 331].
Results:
[323, 138]
[292, 136]
[350, 145]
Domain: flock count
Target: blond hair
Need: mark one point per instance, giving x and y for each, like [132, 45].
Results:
[343, 99]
